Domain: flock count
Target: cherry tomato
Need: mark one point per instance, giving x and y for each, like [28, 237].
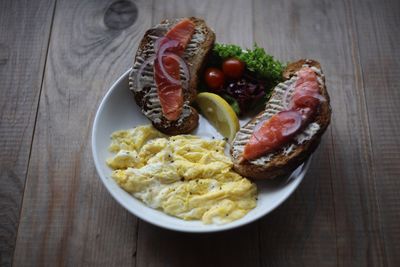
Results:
[214, 78]
[233, 68]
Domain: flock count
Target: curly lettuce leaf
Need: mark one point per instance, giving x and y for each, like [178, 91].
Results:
[256, 60]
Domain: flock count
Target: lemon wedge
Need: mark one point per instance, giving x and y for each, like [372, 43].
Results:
[219, 113]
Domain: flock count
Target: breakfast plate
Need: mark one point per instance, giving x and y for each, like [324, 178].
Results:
[118, 110]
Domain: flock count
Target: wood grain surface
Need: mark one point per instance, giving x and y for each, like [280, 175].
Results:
[379, 57]
[24, 35]
[68, 218]
[57, 59]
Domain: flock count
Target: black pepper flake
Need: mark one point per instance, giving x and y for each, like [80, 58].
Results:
[213, 137]
[182, 179]
[226, 214]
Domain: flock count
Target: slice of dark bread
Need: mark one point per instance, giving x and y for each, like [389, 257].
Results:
[290, 156]
[146, 96]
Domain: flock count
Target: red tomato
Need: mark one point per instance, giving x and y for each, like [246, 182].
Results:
[214, 78]
[233, 68]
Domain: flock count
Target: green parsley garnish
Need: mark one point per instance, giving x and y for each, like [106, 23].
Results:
[256, 60]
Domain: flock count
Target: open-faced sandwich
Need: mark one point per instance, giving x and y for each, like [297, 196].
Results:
[289, 129]
[165, 72]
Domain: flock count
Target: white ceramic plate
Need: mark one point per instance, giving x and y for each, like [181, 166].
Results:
[117, 111]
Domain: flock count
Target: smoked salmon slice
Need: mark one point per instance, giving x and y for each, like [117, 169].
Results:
[181, 32]
[271, 134]
[169, 93]
[306, 97]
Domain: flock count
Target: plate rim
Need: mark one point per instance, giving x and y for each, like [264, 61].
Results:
[224, 227]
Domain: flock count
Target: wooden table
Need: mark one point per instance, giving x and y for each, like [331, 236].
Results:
[57, 59]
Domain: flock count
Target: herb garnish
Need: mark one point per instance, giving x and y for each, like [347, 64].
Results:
[256, 60]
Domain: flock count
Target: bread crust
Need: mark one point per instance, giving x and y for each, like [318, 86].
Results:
[188, 120]
[281, 164]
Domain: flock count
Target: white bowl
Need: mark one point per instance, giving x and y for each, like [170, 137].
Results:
[117, 111]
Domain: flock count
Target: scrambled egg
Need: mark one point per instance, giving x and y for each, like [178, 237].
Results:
[184, 175]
